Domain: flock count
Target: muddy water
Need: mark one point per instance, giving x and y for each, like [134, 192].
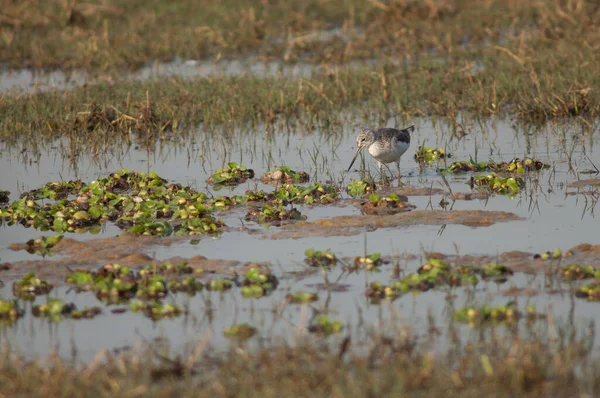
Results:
[552, 215]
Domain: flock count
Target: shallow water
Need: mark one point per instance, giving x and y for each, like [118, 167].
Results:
[550, 219]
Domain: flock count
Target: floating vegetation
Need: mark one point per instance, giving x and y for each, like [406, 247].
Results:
[556, 254]
[240, 331]
[506, 314]
[54, 309]
[301, 297]
[166, 268]
[151, 288]
[518, 166]
[274, 215]
[9, 312]
[141, 203]
[425, 154]
[284, 174]
[434, 264]
[322, 325]
[574, 272]
[219, 285]
[42, 245]
[320, 258]
[590, 291]
[257, 284]
[155, 309]
[316, 193]
[86, 313]
[368, 262]
[358, 188]
[498, 272]
[501, 185]
[234, 174]
[189, 285]
[377, 291]
[386, 205]
[30, 286]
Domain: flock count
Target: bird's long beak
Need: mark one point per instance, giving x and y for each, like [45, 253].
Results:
[355, 156]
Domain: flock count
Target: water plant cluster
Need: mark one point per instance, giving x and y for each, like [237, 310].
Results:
[437, 274]
[510, 186]
[386, 205]
[426, 155]
[515, 166]
[284, 174]
[504, 314]
[147, 204]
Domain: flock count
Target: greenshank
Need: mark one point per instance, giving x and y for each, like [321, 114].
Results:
[386, 145]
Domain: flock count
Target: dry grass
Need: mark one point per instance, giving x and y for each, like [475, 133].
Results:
[121, 33]
[541, 364]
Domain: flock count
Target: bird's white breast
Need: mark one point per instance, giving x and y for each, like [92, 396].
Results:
[388, 153]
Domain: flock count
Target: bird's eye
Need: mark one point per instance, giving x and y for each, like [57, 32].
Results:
[362, 140]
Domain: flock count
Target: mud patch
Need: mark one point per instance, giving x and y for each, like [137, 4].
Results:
[590, 182]
[353, 225]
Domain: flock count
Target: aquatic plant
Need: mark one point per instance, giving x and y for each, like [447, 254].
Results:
[30, 286]
[319, 258]
[576, 271]
[301, 297]
[42, 245]
[322, 325]
[155, 310]
[425, 154]
[219, 285]
[358, 188]
[257, 283]
[368, 262]
[501, 185]
[240, 331]
[233, 174]
[141, 203]
[386, 205]
[284, 174]
[274, 215]
[505, 314]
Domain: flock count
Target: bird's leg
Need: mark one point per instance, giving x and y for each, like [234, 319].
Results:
[399, 176]
[383, 174]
